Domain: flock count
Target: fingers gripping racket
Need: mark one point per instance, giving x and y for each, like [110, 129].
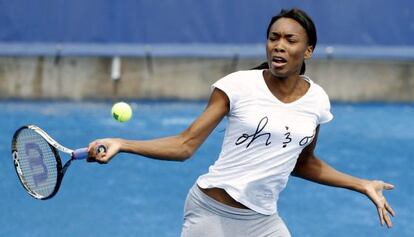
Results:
[37, 161]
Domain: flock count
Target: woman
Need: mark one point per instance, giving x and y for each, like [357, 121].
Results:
[274, 113]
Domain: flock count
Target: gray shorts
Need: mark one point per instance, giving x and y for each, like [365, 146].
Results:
[206, 217]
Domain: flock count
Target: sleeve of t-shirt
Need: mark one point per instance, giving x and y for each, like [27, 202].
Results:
[325, 114]
[229, 85]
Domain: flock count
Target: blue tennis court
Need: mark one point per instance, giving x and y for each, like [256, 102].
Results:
[133, 196]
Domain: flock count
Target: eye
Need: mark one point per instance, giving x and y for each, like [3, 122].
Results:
[291, 40]
[273, 37]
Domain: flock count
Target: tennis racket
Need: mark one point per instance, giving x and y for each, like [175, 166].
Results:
[37, 161]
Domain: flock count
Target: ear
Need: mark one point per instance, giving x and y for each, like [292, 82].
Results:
[308, 52]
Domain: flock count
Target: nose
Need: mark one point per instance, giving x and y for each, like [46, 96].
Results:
[279, 47]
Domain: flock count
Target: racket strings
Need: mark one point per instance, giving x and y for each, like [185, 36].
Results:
[37, 163]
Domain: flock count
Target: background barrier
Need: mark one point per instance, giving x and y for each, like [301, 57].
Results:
[41, 41]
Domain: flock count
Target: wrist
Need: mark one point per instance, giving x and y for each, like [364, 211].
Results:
[122, 146]
[362, 186]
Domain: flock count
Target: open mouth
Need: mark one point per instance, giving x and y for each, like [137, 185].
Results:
[278, 61]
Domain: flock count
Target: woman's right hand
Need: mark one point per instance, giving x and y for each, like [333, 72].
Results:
[112, 146]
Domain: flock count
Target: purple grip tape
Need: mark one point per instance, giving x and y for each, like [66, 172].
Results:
[82, 153]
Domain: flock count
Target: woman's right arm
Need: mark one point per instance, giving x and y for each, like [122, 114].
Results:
[174, 148]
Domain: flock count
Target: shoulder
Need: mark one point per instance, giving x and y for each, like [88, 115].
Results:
[316, 89]
[238, 85]
[239, 79]
[321, 98]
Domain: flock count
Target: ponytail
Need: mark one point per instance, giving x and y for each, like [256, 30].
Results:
[303, 68]
[261, 66]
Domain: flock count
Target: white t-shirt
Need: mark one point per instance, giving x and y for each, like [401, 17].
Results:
[263, 139]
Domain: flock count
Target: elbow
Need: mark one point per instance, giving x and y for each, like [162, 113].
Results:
[187, 146]
[186, 154]
[183, 158]
[181, 154]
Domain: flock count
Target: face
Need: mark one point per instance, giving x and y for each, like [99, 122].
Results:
[287, 47]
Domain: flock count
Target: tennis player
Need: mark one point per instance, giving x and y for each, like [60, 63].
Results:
[274, 113]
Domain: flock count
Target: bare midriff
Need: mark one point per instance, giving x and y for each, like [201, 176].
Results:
[222, 196]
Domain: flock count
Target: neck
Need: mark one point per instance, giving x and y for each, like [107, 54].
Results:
[286, 89]
[282, 85]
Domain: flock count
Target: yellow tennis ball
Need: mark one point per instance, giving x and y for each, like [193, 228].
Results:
[121, 112]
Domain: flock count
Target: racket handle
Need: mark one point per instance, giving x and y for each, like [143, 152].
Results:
[82, 153]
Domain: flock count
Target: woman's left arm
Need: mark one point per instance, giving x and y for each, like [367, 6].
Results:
[311, 168]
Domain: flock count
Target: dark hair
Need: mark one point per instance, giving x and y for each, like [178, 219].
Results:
[304, 20]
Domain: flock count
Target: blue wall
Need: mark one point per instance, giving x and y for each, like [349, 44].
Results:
[349, 22]
[235, 22]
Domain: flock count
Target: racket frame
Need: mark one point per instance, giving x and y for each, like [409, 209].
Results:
[54, 146]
